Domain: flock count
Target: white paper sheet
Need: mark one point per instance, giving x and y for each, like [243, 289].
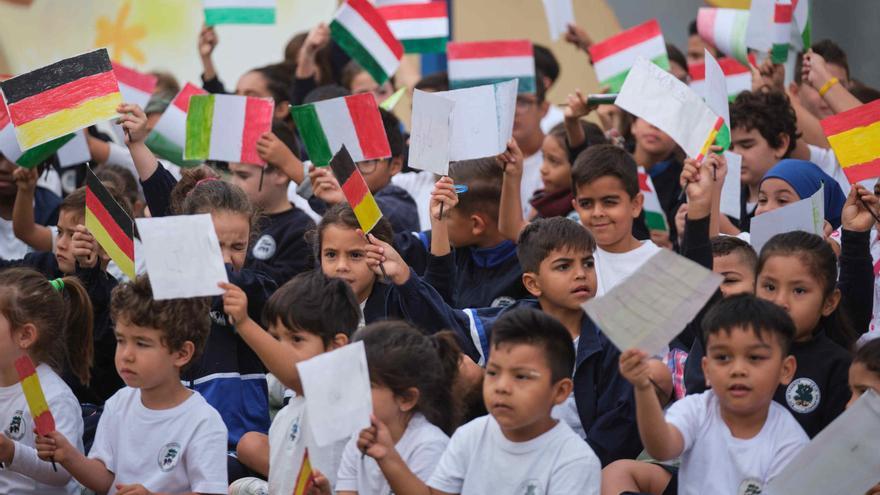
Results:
[560, 14]
[842, 458]
[759, 30]
[483, 117]
[731, 191]
[431, 130]
[654, 304]
[336, 386]
[716, 88]
[75, 151]
[183, 256]
[807, 214]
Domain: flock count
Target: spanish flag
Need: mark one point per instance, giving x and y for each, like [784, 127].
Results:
[855, 137]
[33, 394]
[61, 98]
[304, 480]
[355, 189]
[111, 226]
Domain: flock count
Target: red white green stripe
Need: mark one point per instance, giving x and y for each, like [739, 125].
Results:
[353, 121]
[725, 29]
[227, 127]
[613, 57]
[655, 218]
[239, 12]
[782, 13]
[359, 30]
[481, 63]
[169, 135]
[421, 27]
[737, 76]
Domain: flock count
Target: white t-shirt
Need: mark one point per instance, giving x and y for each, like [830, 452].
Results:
[568, 411]
[419, 185]
[182, 449]
[288, 438]
[612, 268]
[27, 474]
[480, 460]
[420, 447]
[714, 461]
[531, 180]
[554, 116]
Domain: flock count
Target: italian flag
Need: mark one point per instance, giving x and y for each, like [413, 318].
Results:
[239, 12]
[655, 218]
[782, 13]
[360, 30]
[488, 62]
[10, 149]
[803, 22]
[353, 121]
[613, 57]
[226, 128]
[725, 29]
[737, 76]
[421, 27]
[169, 135]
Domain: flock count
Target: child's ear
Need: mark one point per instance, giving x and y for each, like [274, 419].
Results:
[338, 340]
[779, 151]
[478, 224]
[184, 354]
[531, 283]
[561, 390]
[637, 202]
[408, 400]
[789, 366]
[25, 336]
[830, 303]
[395, 165]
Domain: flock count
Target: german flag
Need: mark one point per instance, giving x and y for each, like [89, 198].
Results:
[61, 98]
[108, 222]
[305, 479]
[855, 137]
[355, 189]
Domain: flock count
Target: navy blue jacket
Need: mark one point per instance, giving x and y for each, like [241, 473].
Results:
[399, 208]
[281, 251]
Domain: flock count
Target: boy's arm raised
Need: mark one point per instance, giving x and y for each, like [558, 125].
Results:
[510, 219]
[23, 225]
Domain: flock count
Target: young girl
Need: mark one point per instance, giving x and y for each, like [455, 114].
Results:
[412, 377]
[51, 322]
[793, 180]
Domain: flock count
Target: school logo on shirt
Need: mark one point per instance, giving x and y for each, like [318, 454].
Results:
[750, 486]
[169, 455]
[264, 247]
[17, 426]
[803, 395]
[502, 302]
[294, 430]
[530, 487]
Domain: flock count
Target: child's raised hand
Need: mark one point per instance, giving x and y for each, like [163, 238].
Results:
[54, 447]
[235, 303]
[320, 484]
[132, 490]
[84, 247]
[634, 367]
[578, 37]
[859, 211]
[380, 252]
[577, 106]
[274, 151]
[814, 70]
[207, 41]
[511, 160]
[317, 38]
[133, 119]
[768, 76]
[376, 441]
[325, 186]
[443, 193]
[25, 179]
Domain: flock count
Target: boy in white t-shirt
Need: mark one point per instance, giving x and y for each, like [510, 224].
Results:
[518, 449]
[154, 435]
[732, 438]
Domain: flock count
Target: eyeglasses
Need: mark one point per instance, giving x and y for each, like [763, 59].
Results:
[367, 167]
[525, 104]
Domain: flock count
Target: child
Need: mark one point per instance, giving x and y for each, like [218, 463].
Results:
[411, 377]
[518, 447]
[864, 375]
[357, 80]
[736, 261]
[45, 204]
[155, 435]
[50, 322]
[530, 110]
[555, 198]
[733, 438]
[792, 180]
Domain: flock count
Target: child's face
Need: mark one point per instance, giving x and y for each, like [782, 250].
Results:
[247, 177]
[519, 391]
[651, 139]
[364, 83]
[377, 173]
[9, 352]
[787, 281]
[775, 193]
[757, 154]
[566, 279]
[607, 211]
[304, 345]
[343, 256]
[233, 232]
[143, 360]
[745, 371]
[861, 379]
[739, 277]
[555, 169]
[461, 228]
[67, 222]
[389, 408]
[527, 117]
[7, 185]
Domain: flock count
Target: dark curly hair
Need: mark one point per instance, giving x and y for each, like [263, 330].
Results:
[770, 113]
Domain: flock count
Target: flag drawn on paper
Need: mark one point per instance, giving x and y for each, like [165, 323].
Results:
[227, 127]
[782, 26]
[305, 479]
[803, 24]
[61, 98]
[420, 27]
[169, 135]
[356, 191]
[10, 148]
[725, 29]
[855, 137]
[364, 35]
[239, 12]
[110, 224]
[655, 217]
[33, 394]
[480, 63]
[737, 76]
[136, 87]
[351, 121]
[613, 57]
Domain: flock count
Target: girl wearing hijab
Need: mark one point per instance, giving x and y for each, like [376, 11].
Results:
[793, 180]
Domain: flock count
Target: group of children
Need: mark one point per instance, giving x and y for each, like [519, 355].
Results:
[486, 374]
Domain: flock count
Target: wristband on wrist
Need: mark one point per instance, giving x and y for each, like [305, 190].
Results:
[827, 86]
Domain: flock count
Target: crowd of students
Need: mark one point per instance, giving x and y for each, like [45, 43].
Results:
[486, 374]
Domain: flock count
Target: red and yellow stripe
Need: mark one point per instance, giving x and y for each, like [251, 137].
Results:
[709, 140]
[305, 479]
[110, 225]
[33, 394]
[855, 137]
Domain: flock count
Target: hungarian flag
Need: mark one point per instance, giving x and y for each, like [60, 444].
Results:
[613, 57]
[239, 12]
[169, 135]
[351, 121]
[725, 29]
[61, 98]
[737, 76]
[364, 35]
[33, 394]
[227, 127]
[655, 218]
[782, 13]
[421, 27]
[356, 191]
[479, 63]
[10, 148]
[111, 226]
[305, 477]
[855, 137]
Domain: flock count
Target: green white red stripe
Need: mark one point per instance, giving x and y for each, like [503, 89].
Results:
[782, 13]
[613, 57]
[803, 22]
[227, 127]
[421, 27]
[359, 30]
[10, 149]
[239, 12]
[655, 218]
[480, 63]
[353, 121]
[737, 76]
[725, 29]
[169, 135]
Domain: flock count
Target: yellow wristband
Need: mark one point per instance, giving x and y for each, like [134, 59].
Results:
[825, 87]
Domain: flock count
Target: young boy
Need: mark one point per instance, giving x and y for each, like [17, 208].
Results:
[155, 435]
[45, 205]
[530, 111]
[518, 447]
[736, 261]
[733, 438]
